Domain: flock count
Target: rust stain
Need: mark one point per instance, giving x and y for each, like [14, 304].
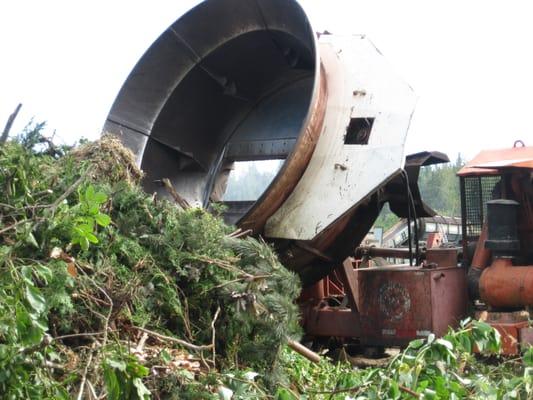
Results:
[394, 300]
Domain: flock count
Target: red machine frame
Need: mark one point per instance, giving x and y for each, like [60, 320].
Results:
[387, 306]
[392, 305]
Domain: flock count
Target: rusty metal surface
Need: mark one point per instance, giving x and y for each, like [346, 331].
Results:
[507, 317]
[449, 298]
[442, 257]
[505, 285]
[513, 328]
[331, 322]
[489, 161]
[351, 287]
[382, 252]
[313, 294]
[481, 255]
[510, 336]
[388, 306]
[337, 242]
[398, 304]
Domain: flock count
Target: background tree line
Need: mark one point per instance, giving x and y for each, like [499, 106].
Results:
[439, 186]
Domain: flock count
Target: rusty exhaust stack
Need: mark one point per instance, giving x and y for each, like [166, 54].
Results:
[245, 80]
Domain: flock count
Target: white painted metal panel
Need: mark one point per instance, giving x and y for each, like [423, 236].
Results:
[340, 176]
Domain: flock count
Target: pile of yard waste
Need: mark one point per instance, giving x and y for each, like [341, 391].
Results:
[108, 292]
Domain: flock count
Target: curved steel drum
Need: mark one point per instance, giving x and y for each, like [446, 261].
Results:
[243, 80]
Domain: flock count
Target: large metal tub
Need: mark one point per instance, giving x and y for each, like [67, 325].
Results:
[240, 80]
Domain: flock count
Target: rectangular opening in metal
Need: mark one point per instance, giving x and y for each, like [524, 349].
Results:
[249, 179]
[358, 131]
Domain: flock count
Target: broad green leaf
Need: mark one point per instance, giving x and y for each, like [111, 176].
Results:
[28, 333]
[116, 364]
[84, 220]
[284, 394]
[27, 272]
[142, 391]
[35, 298]
[100, 198]
[91, 237]
[89, 193]
[165, 356]
[394, 390]
[415, 344]
[102, 219]
[43, 271]
[136, 370]
[94, 209]
[528, 357]
[445, 343]
[431, 338]
[84, 243]
[85, 228]
[185, 373]
[466, 342]
[111, 382]
[30, 239]
[482, 326]
[38, 323]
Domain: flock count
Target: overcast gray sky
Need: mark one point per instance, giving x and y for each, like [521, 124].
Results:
[470, 62]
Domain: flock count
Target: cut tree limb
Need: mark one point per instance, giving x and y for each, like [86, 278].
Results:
[9, 124]
[304, 351]
[213, 333]
[241, 234]
[175, 195]
[175, 340]
[84, 377]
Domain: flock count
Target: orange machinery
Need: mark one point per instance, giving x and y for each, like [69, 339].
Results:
[497, 209]
[389, 305]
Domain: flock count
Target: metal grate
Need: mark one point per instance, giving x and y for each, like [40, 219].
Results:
[476, 191]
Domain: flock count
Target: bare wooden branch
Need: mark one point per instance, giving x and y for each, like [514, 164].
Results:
[220, 263]
[75, 335]
[175, 340]
[409, 391]
[69, 191]
[241, 234]
[142, 341]
[8, 228]
[304, 351]
[92, 392]
[109, 313]
[9, 124]
[213, 334]
[235, 232]
[84, 377]
[175, 195]
[53, 365]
